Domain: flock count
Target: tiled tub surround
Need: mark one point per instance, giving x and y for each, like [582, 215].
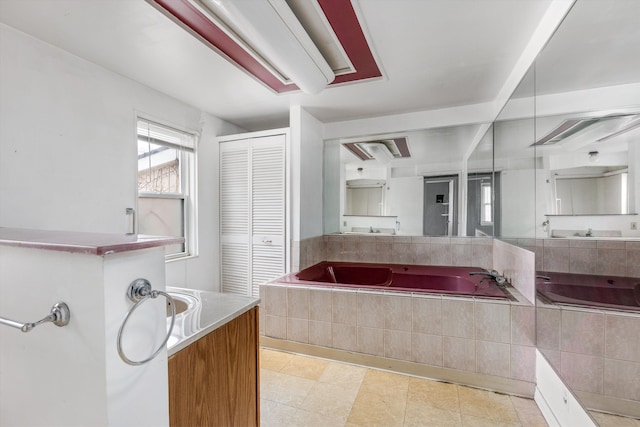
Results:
[481, 342]
[423, 250]
[585, 255]
[597, 353]
[517, 265]
[307, 252]
[509, 259]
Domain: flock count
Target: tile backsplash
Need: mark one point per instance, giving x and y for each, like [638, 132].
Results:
[517, 264]
[456, 251]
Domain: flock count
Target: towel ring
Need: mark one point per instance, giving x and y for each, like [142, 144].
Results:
[139, 291]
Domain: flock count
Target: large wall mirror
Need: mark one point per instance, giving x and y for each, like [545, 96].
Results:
[431, 182]
[569, 141]
[558, 173]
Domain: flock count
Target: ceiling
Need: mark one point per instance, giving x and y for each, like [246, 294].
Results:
[433, 54]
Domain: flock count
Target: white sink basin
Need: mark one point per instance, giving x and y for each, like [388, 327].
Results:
[183, 302]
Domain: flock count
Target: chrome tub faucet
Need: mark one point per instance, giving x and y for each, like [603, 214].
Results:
[497, 277]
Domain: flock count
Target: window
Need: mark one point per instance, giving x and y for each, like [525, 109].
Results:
[486, 207]
[166, 185]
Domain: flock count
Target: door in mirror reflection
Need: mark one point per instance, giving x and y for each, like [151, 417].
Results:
[440, 217]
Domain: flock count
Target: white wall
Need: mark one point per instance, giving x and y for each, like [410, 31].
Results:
[405, 198]
[332, 188]
[67, 139]
[517, 198]
[634, 176]
[68, 151]
[306, 174]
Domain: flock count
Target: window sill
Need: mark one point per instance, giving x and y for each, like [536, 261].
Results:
[180, 258]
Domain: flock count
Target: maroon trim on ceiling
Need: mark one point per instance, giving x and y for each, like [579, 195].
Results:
[205, 29]
[403, 147]
[340, 15]
[346, 26]
[357, 151]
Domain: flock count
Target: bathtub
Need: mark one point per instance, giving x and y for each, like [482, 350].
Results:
[399, 277]
[614, 292]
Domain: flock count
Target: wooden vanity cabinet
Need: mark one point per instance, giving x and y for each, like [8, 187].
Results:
[214, 381]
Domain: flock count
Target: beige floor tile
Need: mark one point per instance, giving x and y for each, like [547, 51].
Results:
[434, 393]
[486, 404]
[305, 367]
[608, 420]
[284, 388]
[274, 360]
[348, 376]
[528, 412]
[385, 383]
[312, 419]
[304, 391]
[330, 400]
[471, 421]
[372, 409]
[419, 415]
[274, 414]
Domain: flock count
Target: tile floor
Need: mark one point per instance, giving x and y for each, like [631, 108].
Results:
[298, 390]
[606, 420]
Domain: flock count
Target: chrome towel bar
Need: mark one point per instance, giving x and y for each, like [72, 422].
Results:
[60, 315]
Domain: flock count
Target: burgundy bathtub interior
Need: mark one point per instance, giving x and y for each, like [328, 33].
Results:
[399, 277]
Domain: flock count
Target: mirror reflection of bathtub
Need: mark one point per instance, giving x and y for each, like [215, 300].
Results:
[588, 334]
[583, 290]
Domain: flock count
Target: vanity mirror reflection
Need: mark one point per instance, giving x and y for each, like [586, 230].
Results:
[586, 162]
[569, 138]
[431, 182]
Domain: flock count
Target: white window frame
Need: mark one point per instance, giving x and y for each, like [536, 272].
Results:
[188, 191]
[486, 201]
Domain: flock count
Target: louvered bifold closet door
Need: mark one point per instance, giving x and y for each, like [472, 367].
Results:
[235, 204]
[252, 213]
[268, 211]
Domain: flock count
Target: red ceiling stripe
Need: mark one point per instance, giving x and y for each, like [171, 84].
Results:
[340, 15]
[403, 148]
[344, 22]
[357, 151]
[193, 19]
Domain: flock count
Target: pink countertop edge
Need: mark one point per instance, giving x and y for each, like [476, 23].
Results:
[81, 242]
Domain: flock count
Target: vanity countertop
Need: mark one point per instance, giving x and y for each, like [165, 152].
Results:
[81, 242]
[215, 310]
